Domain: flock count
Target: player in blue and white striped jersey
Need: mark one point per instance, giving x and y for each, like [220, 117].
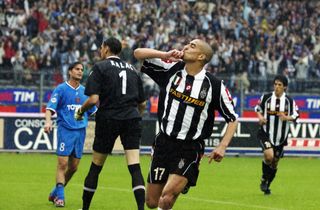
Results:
[65, 99]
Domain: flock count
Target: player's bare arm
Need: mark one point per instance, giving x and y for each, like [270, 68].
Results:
[262, 120]
[285, 117]
[48, 125]
[172, 55]
[218, 153]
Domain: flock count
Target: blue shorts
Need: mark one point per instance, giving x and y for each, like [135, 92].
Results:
[70, 142]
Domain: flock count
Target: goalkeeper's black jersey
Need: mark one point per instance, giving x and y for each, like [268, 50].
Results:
[119, 87]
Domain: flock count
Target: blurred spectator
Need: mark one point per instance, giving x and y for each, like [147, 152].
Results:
[302, 73]
[126, 52]
[9, 52]
[1, 53]
[18, 66]
[254, 39]
[31, 68]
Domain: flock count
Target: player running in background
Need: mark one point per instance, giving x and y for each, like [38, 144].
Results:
[71, 133]
[189, 97]
[117, 86]
[275, 111]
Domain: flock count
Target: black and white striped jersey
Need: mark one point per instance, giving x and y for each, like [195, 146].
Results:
[187, 103]
[270, 106]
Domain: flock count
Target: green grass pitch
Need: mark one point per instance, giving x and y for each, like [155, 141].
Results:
[233, 184]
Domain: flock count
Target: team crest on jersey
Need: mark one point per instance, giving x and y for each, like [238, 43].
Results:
[181, 163]
[167, 60]
[77, 100]
[53, 100]
[203, 93]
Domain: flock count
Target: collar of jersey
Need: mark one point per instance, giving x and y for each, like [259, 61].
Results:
[112, 56]
[200, 75]
[283, 95]
[72, 87]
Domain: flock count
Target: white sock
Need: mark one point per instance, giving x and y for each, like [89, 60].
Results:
[162, 209]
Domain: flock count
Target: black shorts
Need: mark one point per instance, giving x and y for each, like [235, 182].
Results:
[267, 144]
[107, 131]
[172, 156]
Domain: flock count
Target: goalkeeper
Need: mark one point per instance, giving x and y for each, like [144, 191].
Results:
[117, 86]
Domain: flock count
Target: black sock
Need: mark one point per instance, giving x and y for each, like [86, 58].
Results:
[90, 185]
[137, 185]
[272, 175]
[268, 173]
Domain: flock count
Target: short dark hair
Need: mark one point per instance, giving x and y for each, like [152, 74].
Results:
[282, 79]
[74, 64]
[114, 45]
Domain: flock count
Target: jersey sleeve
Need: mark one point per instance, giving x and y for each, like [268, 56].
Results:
[295, 111]
[260, 106]
[226, 106]
[54, 100]
[92, 110]
[94, 82]
[158, 69]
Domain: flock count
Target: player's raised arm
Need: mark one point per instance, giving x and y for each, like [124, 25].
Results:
[144, 53]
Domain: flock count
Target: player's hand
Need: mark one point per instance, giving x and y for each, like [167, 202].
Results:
[282, 116]
[173, 55]
[48, 127]
[262, 121]
[78, 115]
[217, 154]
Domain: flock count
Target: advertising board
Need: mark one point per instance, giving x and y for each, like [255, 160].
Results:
[26, 133]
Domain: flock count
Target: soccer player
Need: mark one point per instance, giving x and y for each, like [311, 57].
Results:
[189, 96]
[275, 111]
[117, 86]
[71, 133]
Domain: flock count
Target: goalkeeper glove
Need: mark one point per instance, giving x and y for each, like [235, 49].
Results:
[78, 114]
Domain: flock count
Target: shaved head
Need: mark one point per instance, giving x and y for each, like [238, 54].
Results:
[206, 49]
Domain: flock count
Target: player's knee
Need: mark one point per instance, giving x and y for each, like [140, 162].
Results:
[166, 201]
[151, 203]
[62, 166]
[268, 158]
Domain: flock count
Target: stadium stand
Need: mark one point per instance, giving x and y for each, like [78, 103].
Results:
[253, 39]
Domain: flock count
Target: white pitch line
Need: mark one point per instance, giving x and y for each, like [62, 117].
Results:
[195, 199]
[230, 203]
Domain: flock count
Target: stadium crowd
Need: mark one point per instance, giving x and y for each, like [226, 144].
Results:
[253, 39]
